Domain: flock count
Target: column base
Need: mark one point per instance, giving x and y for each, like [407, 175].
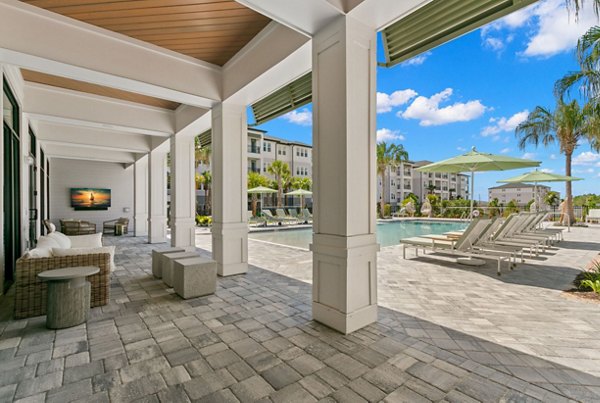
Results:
[230, 248]
[183, 233]
[345, 281]
[157, 229]
[344, 322]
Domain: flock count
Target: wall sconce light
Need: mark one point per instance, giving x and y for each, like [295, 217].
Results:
[126, 209]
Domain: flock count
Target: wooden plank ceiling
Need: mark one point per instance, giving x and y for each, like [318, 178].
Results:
[81, 86]
[209, 30]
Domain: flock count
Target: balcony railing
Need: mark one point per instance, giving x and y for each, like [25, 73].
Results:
[253, 149]
[407, 173]
[407, 187]
[253, 169]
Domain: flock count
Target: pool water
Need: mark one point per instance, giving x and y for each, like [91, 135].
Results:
[388, 233]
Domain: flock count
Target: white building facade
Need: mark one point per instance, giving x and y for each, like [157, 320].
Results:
[521, 193]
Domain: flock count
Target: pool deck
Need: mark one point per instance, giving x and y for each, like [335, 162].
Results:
[445, 333]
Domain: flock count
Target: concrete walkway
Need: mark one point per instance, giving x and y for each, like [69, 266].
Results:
[254, 340]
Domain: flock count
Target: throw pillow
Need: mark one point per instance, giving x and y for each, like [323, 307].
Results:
[86, 241]
[52, 227]
[62, 239]
[47, 242]
[87, 251]
[38, 252]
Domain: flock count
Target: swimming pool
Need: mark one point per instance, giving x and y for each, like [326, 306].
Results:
[388, 233]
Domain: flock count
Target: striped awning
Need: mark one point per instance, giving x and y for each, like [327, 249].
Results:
[294, 95]
[439, 21]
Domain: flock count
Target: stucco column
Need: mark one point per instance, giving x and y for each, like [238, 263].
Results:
[344, 173]
[229, 189]
[157, 195]
[183, 192]
[140, 197]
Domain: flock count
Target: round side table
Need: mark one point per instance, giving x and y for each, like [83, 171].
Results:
[68, 295]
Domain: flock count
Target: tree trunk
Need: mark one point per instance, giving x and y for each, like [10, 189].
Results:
[254, 200]
[569, 188]
[382, 202]
[279, 192]
[207, 196]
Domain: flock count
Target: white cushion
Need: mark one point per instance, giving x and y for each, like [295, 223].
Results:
[62, 239]
[87, 251]
[51, 227]
[86, 241]
[47, 242]
[38, 252]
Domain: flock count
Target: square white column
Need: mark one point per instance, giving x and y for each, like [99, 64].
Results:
[183, 192]
[157, 196]
[344, 174]
[229, 189]
[140, 197]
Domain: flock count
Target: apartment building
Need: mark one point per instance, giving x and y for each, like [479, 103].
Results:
[398, 183]
[522, 193]
[445, 185]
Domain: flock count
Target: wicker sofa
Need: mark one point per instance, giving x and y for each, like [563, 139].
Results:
[57, 251]
[77, 227]
[30, 292]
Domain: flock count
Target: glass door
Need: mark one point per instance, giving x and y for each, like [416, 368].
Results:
[11, 184]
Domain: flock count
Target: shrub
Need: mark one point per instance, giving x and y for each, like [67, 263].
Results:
[593, 285]
[588, 279]
[387, 210]
[203, 220]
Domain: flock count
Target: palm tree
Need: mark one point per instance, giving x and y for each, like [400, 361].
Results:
[202, 154]
[281, 171]
[206, 180]
[567, 125]
[254, 180]
[576, 5]
[551, 198]
[298, 182]
[388, 155]
[430, 188]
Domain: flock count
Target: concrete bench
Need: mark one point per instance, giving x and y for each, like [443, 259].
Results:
[168, 261]
[157, 259]
[68, 295]
[194, 277]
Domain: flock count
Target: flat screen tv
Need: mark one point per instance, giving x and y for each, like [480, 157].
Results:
[90, 198]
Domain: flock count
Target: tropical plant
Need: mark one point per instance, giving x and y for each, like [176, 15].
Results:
[202, 154]
[575, 5]
[450, 191]
[255, 180]
[390, 155]
[281, 171]
[430, 188]
[493, 207]
[301, 182]
[594, 285]
[206, 179]
[551, 198]
[511, 207]
[567, 125]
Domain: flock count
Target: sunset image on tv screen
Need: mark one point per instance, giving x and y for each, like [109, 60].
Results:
[90, 198]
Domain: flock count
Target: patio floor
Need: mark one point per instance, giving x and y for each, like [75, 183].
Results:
[445, 333]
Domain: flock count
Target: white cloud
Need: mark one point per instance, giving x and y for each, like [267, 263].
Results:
[504, 124]
[417, 60]
[528, 156]
[302, 118]
[586, 158]
[459, 148]
[547, 170]
[386, 102]
[552, 29]
[428, 110]
[389, 135]
[553, 156]
[505, 150]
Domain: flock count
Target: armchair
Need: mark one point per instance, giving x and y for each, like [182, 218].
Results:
[109, 226]
[76, 227]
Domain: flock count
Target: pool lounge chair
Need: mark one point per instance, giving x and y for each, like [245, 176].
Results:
[307, 216]
[294, 214]
[462, 246]
[256, 220]
[270, 218]
[281, 214]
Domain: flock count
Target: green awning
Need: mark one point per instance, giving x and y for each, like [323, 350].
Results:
[284, 100]
[440, 21]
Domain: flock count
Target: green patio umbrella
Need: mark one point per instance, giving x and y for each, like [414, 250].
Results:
[475, 161]
[536, 177]
[261, 190]
[301, 193]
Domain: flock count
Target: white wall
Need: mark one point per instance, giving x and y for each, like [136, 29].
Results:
[67, 174]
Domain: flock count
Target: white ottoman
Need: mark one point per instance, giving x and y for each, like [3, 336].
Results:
[194, 277]
[167, 266]
[157, 259]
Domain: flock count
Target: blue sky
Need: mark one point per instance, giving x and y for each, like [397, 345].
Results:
[474, 90]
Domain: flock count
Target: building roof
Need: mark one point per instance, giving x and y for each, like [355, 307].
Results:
[284, 141]
[517, 185]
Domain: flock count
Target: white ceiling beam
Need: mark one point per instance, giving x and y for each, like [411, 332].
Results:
[88, 154]
[40, 40]
[268, 51]
[50, 133]
[76, 108]
[307, 16]
[186, 115]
